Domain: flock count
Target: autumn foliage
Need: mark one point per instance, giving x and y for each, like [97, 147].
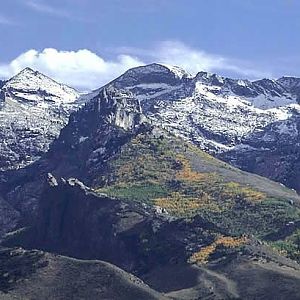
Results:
[202, 256]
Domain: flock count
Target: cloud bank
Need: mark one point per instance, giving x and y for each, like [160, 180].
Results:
[86, 70]
[82, 69]
[194, 60]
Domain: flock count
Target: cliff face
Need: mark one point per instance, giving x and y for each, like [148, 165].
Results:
[96, 132]
[74, 221]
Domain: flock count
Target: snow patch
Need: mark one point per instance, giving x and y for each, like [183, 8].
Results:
[82, 139]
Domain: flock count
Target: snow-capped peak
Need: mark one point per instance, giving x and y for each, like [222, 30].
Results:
[147, 69]
[179, 72]
[154, 73]
[210, 78]
[32, 85]
[33, 110]
[27, 70]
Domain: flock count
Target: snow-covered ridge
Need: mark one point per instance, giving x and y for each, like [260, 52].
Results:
[215, 112]
[179, 72]
[34, 86]
[33, 110]
[264, 93]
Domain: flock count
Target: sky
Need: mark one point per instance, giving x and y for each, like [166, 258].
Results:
[86, 43]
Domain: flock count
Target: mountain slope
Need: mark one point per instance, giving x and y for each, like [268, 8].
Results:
[186, 258]
[39, 275]
[97, 132]
[155, 205]
[33, 109]
[8, 217]
[222, 115]
[112, 148]
[273, 152]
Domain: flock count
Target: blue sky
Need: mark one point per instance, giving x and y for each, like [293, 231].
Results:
[86, 43]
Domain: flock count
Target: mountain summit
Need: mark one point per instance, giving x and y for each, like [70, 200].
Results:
[34, 86]
[33, 109]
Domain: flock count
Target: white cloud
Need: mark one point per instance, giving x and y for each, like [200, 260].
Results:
[82, 69]
[86, 70]
[194, 60]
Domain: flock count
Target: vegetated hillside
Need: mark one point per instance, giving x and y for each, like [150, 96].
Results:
[38, 275]
[183, 181]
[156, 160]
[186, 258]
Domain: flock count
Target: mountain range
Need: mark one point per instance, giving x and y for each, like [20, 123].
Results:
[129, 176]
[252, 125]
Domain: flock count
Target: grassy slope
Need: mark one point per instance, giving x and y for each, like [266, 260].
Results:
[39, 275]
[164, 171]
[261, 275]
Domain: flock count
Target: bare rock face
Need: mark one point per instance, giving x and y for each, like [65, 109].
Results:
[117, 108]
[74, 221]
[96, 132]
[8, 217]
